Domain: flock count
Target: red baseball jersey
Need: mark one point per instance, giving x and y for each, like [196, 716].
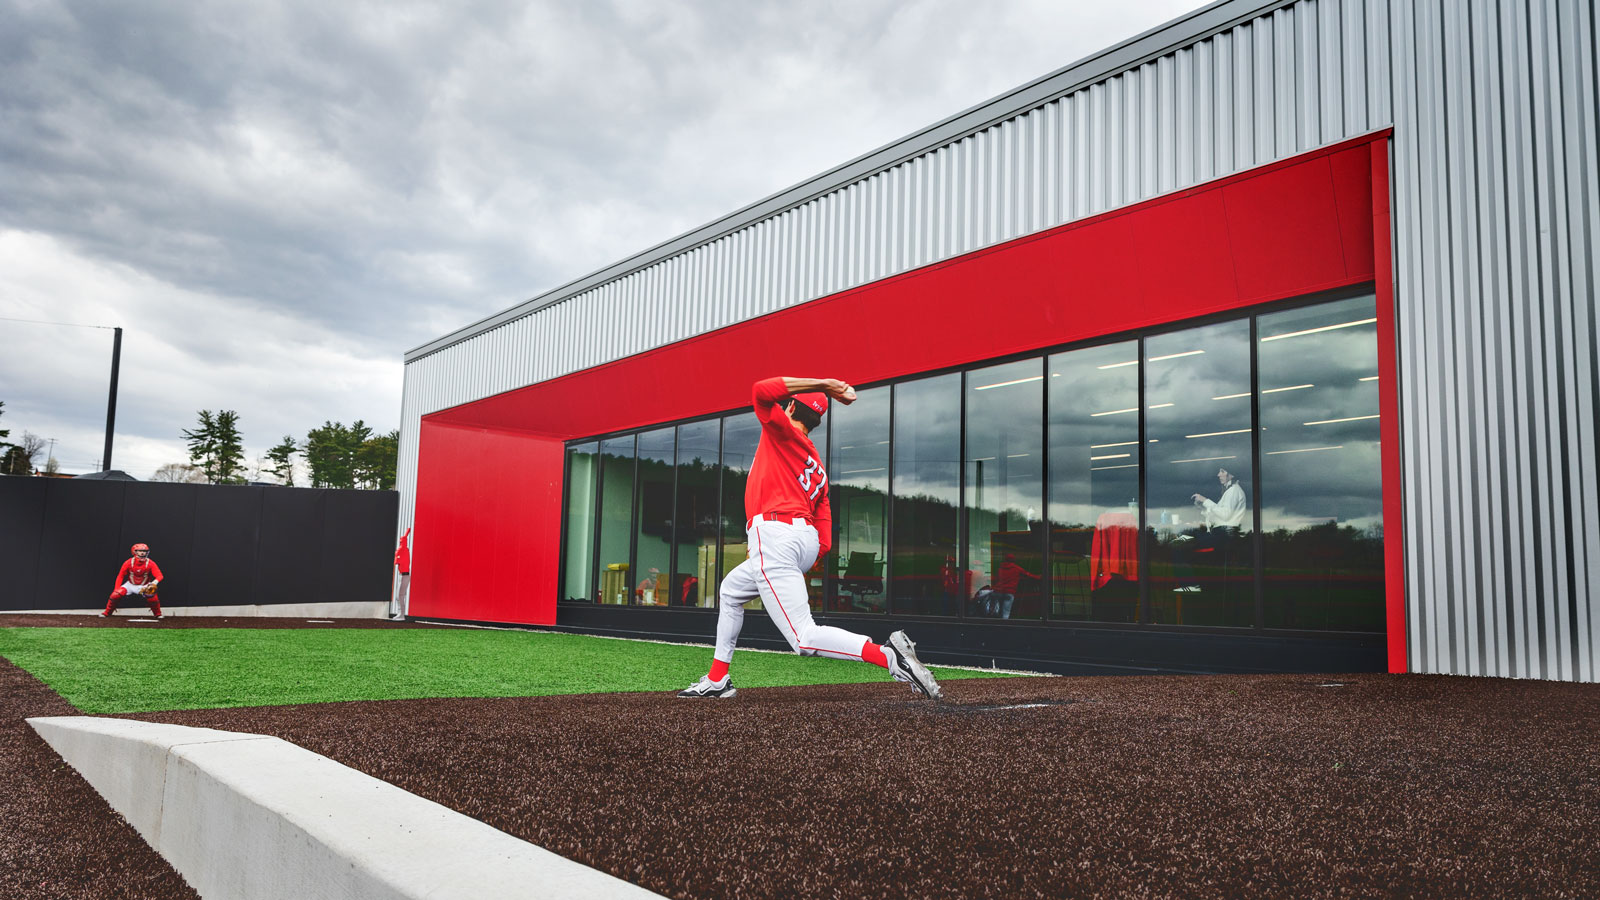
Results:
[137, 571]
[786, 477]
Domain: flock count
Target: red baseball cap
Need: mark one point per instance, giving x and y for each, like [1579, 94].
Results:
[817, 400]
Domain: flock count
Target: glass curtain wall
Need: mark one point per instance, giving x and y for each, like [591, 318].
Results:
[694, 575]
[1095, 458]
[859, 485]
[577, 574]
[616, 518]
[740, 433]
[653, 538]
[1199, 512]
[1147, 512]
[1321, 483]
[928, 578]
[1005, 490]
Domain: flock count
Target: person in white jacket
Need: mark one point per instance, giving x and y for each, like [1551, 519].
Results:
[1224, 519]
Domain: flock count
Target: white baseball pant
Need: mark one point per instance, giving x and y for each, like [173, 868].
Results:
[779, 553]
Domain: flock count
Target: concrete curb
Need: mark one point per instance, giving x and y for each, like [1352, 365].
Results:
[250, 816]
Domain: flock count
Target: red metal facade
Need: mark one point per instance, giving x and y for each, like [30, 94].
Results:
[489, 473]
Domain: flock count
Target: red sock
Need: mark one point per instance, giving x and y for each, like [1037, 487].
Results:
[719, 670]
[873, 653]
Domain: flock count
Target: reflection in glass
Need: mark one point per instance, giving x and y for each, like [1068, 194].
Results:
[653, 547]
[740, 432]
[1094, 483]
[927, 473]
[1198, 512]
[1321, 489]
[1005, 490]
[694, 577]
[616, 517]
[858, 481]
[582, 469]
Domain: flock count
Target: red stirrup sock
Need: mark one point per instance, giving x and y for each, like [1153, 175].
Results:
[873, 653]
[719, 670]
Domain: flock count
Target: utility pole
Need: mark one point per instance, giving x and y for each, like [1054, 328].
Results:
[111, 404]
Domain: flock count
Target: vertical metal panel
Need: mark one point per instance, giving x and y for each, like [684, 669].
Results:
[1496, 190]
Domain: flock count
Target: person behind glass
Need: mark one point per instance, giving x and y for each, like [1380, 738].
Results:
[1005, 586]
[789, 525]
[139, 576]
[1223, 518]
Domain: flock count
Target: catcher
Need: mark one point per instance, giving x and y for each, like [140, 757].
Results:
[139, 576]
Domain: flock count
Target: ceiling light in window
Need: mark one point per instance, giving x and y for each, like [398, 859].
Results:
[1336, 421]
[1232, 396]
[1304, 450]
[1279, 337]
[1009, 383]
[1296, 387]
[1176, 355]
[1219, 433]
[1204, 459]
[1117, 444]
[1131, 362]
[1115, 412]
[1111, 456]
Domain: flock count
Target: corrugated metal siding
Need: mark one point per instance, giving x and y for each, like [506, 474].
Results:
[1496, 194]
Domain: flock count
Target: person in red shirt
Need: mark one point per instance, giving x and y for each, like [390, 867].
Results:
[139, 576]
[1005, 585]
[789, 525]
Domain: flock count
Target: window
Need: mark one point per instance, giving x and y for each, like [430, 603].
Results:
[926, 486]
[577, 577]
[616, 518]
[1198, 506]
[1095, 458]
[1005, 490]
[653, 540]
[858, 483]
[694, 577]
[1321, 489]
[740, 433]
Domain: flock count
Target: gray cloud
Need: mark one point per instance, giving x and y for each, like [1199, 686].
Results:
[277, 200]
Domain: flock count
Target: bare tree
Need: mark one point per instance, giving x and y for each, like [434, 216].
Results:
[180, 473]
[19, 458]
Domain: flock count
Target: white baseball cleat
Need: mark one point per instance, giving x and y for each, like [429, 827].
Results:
[705, 688]
[904, 666]
[104, 614]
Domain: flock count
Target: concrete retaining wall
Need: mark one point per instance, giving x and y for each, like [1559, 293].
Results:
[249, 816]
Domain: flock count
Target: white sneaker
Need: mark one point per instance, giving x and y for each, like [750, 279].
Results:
[707, 689]
[104, 614]
[904, 666]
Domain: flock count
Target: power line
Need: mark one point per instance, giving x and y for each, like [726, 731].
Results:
[67, 324]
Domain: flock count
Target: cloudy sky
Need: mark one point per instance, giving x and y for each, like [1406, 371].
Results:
[275, 200]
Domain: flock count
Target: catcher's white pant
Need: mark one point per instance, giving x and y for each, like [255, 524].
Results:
[135, 590]
[779, 553]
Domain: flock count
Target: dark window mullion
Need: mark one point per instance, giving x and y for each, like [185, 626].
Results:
[889, 527]
[1047, 570]
[1256, 558]
[963, 538]
[1143, 545]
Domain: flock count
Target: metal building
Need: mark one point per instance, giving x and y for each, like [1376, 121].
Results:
[1212, 182]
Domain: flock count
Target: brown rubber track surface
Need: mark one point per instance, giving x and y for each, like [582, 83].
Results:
[1193, 786]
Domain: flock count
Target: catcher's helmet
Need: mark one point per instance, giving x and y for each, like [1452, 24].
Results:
[138, 547]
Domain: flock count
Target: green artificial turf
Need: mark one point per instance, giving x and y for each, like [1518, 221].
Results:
[123, 670]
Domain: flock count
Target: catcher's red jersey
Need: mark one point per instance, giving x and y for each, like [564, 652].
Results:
[787, 475]
[137, 571]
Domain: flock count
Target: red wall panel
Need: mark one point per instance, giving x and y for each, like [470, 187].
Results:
[485, 544]
[1287, 229]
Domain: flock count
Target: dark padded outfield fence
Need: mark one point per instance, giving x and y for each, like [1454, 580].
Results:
[217, 545]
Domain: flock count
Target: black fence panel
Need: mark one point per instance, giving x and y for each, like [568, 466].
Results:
[222, 565]
[348, 527]
[80, 543]
[161, 515]
[289, 554]
[21, 511]
[217, 545]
